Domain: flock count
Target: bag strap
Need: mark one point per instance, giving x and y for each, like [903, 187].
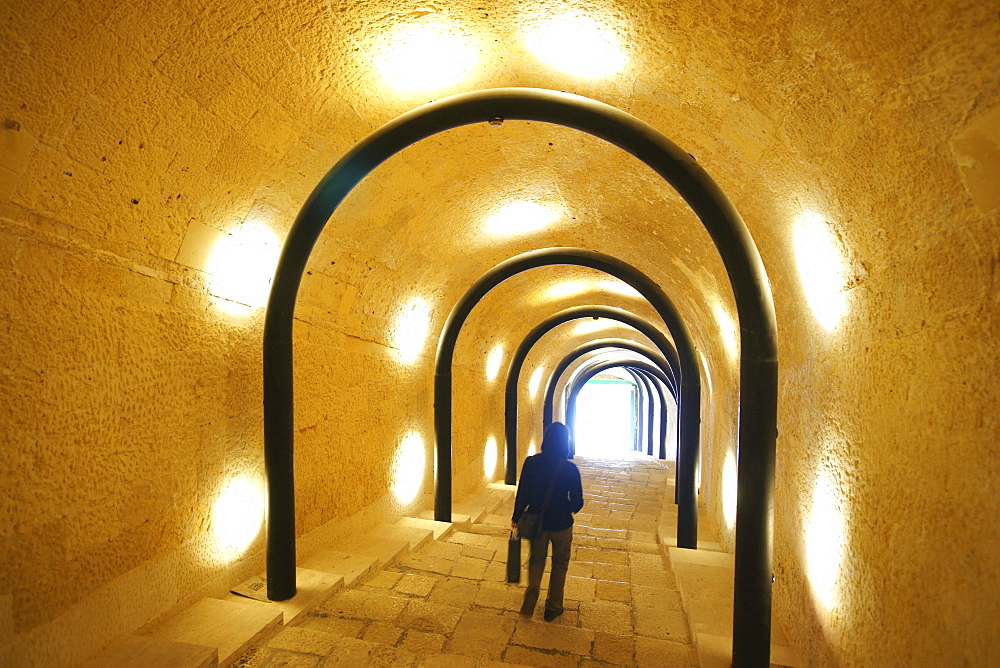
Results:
[552, 486]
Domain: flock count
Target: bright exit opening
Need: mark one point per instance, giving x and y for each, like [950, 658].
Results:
[605, 418]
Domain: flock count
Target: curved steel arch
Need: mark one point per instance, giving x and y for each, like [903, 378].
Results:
[650, 406]
[655, 380]
[660, 385]
[681, 358]
[747, 277]
[609, 344]
[650, 373]
[550, 387]
[687, 513]
[586, 376]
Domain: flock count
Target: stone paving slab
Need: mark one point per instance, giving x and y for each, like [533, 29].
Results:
[447, 603]
[556, 637]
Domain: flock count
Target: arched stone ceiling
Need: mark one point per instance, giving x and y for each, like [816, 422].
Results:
[138, 133]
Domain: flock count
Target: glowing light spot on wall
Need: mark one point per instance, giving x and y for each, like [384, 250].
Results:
[577, 46]
[521, 217]
[241, 266]
[238, 514]
[620, 287]
[727, 331]
[824, 541]
[821, 269]
[532, 449]
[535, 382]
[493, 363]
[729, 490]
[592, 325]
[411, 330]
[490, 459]
[425, 57]
[408, 468]
[565, 289]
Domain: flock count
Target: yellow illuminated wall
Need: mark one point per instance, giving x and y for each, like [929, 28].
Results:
[141, 141]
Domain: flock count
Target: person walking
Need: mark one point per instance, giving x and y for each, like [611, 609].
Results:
[549, 485]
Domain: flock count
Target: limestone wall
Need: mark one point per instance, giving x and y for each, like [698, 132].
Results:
[139, 138]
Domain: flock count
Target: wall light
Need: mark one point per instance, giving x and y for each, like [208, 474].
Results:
[592, 325]
[408, 468]
[565, 289]
[425, 57]
[242, 265]
[521, 217]
[824, 538]
[411, 330]
[535, 381]
[237, 515]
[621, 287]
[729, 488]
[577, 46]
[490, 459]
[532, 449]
[493, 363]
[728, 332]
[821, 269]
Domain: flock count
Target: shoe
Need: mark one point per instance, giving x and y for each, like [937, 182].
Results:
[551, 614]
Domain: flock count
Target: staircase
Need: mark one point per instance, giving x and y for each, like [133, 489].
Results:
[422, 593]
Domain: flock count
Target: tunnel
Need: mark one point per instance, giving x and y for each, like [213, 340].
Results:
[292, 289]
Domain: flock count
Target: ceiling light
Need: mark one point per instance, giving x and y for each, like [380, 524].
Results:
[620, 287]
[565, 289]
[577, 46]
[521, 217]
[425, 57]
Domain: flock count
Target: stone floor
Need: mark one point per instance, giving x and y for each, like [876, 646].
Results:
[448, 603]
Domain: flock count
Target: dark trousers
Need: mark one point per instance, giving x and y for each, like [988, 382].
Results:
[561, 541]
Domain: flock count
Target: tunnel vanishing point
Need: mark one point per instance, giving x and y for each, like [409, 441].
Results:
[282, 272]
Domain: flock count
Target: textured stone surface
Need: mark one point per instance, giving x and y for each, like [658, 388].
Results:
[136, 133]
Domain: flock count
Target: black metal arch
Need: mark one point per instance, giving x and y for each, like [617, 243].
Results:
[681, 358]
[747, 277]
[647, 388]
[658, 384]
[550, 386]
[654, 388]
[657, 378]
[687, 511]
[641, 368]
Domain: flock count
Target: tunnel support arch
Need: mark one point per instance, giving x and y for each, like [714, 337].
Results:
[548, 407]
[681, 358]
[754, 305]
[640, 368]
[689, 524]
[665, 377]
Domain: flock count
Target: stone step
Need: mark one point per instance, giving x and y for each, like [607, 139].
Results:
[312, 588]
[439, 530]
[151, 652]
[458, 520]
[705, 580]
[228, 626]
[351, 567]
[385, 543]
